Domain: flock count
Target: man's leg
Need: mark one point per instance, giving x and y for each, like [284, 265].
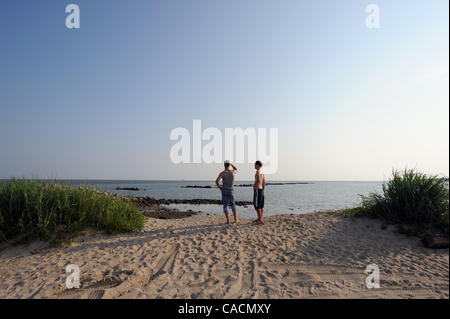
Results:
[258, 211]
[260, 204]
[233, 208]
[255, 204]
[228, 218]
[225, 205]
[257, 216]
[236, 221]
[260, 215]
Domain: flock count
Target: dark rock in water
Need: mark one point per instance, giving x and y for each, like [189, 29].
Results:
[249, 185]
[148, 201]
[157, 208]
[276, 184]
[127, 189]
[436, 241]
[195, 186]
[168, 214]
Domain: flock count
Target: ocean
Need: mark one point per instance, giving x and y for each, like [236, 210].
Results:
[279, 199]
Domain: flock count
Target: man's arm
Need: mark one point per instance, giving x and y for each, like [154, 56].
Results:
[218, 180]
[234, 168]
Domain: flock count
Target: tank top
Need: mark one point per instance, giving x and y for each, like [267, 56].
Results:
[228, 180]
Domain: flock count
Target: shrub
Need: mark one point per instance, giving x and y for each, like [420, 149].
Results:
[30, 208]
[411, 198]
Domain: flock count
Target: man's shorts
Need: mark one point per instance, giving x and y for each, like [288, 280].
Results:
[258, 198]
[228, 199]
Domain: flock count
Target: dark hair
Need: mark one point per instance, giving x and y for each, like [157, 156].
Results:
[226, 165]
[258, 163]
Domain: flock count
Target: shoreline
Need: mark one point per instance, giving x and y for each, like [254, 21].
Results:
[316, 255]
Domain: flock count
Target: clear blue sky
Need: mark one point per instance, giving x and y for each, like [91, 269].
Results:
[350, 103]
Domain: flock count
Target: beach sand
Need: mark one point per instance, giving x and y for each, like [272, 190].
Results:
[291, 256]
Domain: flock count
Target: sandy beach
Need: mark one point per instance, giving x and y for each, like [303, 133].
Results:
[292, 256]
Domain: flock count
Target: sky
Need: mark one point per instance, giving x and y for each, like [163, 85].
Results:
[100, 102]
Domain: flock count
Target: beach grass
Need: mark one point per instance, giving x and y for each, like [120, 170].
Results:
[32, 209]
[416, 202]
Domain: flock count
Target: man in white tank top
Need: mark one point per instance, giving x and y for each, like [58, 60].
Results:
[227, 189]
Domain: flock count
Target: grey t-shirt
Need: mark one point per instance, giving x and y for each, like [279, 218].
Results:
[228, 180]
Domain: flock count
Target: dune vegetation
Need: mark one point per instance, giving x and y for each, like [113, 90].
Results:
[418, 203]
[33, 209]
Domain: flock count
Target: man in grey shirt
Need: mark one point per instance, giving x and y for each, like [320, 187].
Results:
[227, 189]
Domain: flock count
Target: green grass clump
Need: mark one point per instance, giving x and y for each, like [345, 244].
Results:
[417, 202]
[32, 209]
